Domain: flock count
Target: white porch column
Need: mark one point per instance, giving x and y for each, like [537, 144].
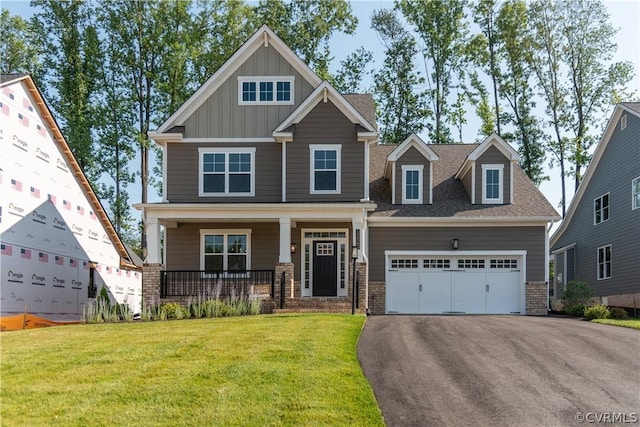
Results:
[153, 241]
[285, 240]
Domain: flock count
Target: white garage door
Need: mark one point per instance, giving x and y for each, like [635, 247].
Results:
[470, 284]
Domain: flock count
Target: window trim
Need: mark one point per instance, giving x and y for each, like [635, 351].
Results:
[635, 206]
[604, 261]
[267, 79]
[623, 122]
[608, 208]
[420, 170]
[225, 254]
[325, 147]
[500, 169]
[226, 150]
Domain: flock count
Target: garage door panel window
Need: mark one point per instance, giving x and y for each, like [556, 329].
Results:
[511, 264]
[471, 263]
[404, 264]
[437, 263]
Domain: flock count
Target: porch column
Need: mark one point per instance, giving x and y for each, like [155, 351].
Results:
[153, 241]
[285, 240]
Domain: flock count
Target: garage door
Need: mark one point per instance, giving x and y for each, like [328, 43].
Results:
[471, 285]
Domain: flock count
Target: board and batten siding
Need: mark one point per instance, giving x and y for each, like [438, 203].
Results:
[618, 166]
[493, 156]
[530, 239]
[325, 124]
[183, 244]
[221, 116]
[412, 157]
[182, 178]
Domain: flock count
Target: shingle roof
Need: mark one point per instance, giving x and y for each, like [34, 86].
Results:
[450, 198]
[363, 102]
[635, 106]
[7, 77]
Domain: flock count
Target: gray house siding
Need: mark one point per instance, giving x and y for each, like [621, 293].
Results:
[183, 244]
[493, 156]
[325, 124]
[412, 157]
[618, 166]
[222, 117]
[530, 239]
[466, 183]
[183, 181]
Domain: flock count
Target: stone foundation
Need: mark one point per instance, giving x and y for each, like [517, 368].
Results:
[536, 298]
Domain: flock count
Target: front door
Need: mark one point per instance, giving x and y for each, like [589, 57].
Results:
[325, 268]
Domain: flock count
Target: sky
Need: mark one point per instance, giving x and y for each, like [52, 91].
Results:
[624, 16]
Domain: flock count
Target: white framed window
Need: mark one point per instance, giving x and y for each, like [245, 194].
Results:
[222, 250]
[492, 187]
[325, 168]
[635, 193]
[412, 184]
[623, 122]
[604, 262]
[265, 90]
[227, 171]
[601, 209]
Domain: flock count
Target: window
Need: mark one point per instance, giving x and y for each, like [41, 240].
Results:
[635, 193]
[265, 90]
[225, 250]
[437, 263]
[227, 172]
[604, 262]
[471, 263]
[601, 209]
[511, 264]
[404, 263]
[412, 184]
[325, 169]
[492, 183]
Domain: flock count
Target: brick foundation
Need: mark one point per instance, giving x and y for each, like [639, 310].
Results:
[287, 269]
[377, 297]
[536, 298]
[151, 284]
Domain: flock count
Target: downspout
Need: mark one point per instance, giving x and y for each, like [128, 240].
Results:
[546, 259]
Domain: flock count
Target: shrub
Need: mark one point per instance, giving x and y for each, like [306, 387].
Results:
[172, 310]
[618, 313]
[597, 311]
[576, 297]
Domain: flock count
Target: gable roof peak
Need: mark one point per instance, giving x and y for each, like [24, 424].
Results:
[495, 140]
[412, 140]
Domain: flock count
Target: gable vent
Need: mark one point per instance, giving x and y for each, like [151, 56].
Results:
[623, 122]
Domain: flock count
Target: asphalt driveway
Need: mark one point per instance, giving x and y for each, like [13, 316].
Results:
[501, 370]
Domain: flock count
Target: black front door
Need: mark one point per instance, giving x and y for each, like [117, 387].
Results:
[325, 269]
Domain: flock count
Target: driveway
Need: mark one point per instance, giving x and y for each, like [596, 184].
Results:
[501, 370]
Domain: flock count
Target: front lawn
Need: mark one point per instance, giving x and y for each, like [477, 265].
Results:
[629, 323]
[256, 370]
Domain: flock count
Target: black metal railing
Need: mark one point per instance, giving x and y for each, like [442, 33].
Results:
[214, 284]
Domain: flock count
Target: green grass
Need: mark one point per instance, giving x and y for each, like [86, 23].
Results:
[629, 323]
[240, 371]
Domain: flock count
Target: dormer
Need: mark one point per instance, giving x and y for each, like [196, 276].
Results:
[409, 169]
[487, 172]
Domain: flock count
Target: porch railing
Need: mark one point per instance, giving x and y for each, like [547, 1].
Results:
[223, 283]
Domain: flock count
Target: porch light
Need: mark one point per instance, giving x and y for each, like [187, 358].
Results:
[454, 243]
[354, 252]
[294, 247]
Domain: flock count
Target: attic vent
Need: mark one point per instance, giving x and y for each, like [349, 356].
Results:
[623, 122]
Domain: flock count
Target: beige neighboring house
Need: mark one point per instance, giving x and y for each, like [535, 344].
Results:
[277, 185]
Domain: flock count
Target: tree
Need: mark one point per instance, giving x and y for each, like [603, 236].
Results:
[18, 52]
[71, 56]
[401, 106]
[515, 88]
[349, 77]
[441, 26]
[595, 82]
[545, 25]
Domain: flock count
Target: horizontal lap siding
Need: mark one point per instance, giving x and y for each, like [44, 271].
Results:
[530, 239]
[183, 244]
[619, 165]
[325, 124]
[183, 180]
[221, 116]
[493, 156]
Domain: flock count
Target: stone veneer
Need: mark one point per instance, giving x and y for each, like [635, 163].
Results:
[536, 298]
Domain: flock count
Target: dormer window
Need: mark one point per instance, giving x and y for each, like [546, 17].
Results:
[412, 184]
[492, 187]
[265, 90]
